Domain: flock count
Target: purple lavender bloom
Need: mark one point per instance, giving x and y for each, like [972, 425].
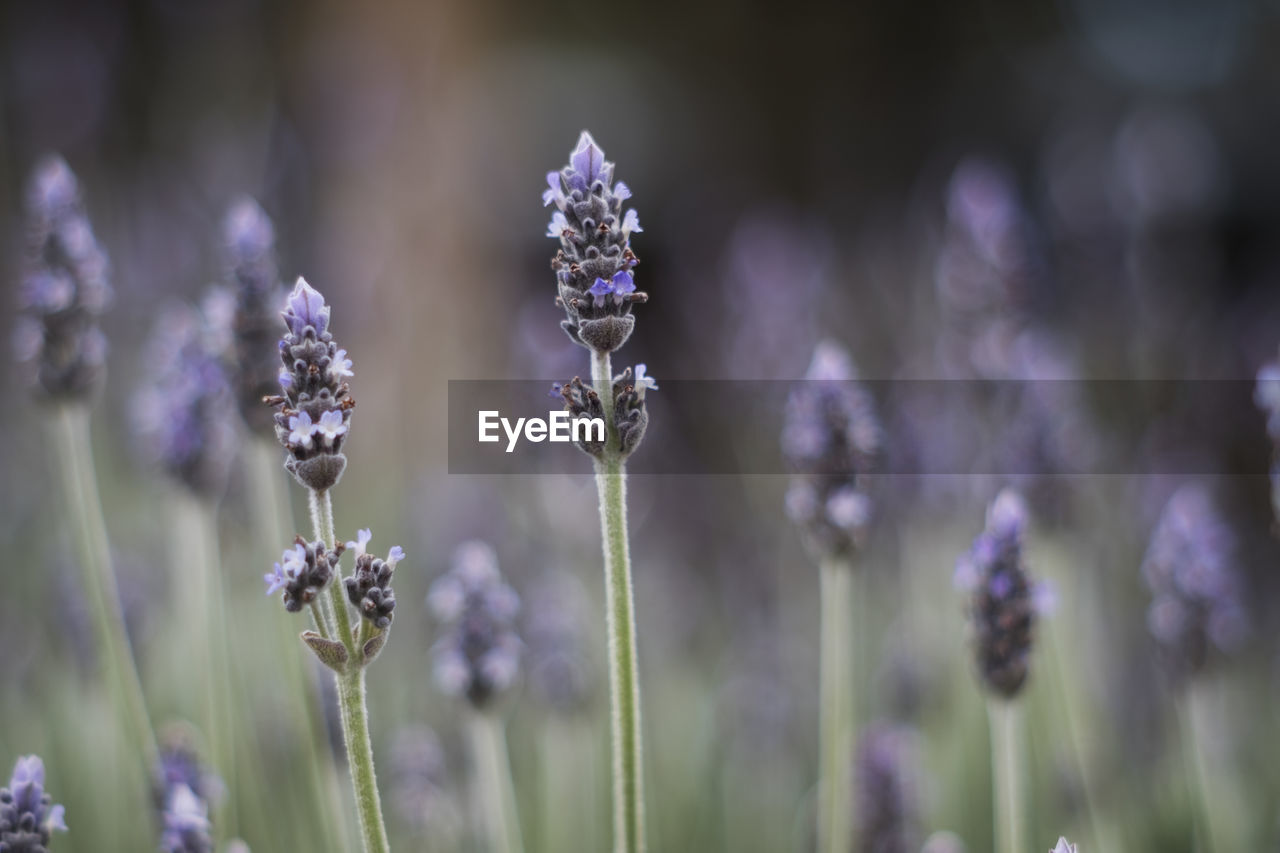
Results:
[28, 817]
[249, 242]
[885, 799]
[478, 653]
[419, 789]
[595, 253]
[64, 290]
[1196, 601]
[830, 437]
[1003, 601]
[185, 824]
[183, 791]
[313, 414]
[184, 412]
[1063, 846]
[302, 572]
[369, 586]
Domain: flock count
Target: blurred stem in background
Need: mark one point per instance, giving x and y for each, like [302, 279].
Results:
[569, 775]
[495, 793]
[351, 696]
[624, 677]
[74, 456]
[196, 550]
[836, 728]
[1006, 773]
[1191, 717]
[269, 505]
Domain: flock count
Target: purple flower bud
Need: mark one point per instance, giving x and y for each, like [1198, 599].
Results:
[369, 586]
[302, 572]
[886, 800]
[64, 289]
[478, 653]
[313, 416]
[28, 816]
[1063, 846]
[594, 236]
[830, 437]
[183, 791]
[1002, 602]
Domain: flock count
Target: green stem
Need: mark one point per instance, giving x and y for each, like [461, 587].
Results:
[274, 525]
[1006, 774]
[1208, 832]
[495, 792]
[355, 717]
[74, 454]
[624, 677]
[836, 739]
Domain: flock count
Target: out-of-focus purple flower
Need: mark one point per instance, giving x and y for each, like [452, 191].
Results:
[885, 796]
[185, 824]
[1002, 598]
[184, 790]
[184, 411]
[302, 572]
[830, 438]
[1063, 846]
[64, 289]
[419, 789]
[478, 653]
[313, 414]
[259, 296]
[369, 586]
[1196, 600]
[28, 816]
[596, 287]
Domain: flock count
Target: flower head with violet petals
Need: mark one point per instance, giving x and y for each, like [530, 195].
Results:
[313, 412]
[594, 265]
[28, 816]
[369, 586]
[302, 572]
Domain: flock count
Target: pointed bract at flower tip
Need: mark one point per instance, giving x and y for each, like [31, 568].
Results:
[28, 815]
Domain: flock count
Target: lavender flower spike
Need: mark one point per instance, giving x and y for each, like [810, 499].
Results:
[1003, 603]
[64, 289]
[830, 438]
[302, 572]
[593, 266]
[313, 414]
[184, 790]
[369, 586]
[478, 654]
[1063, 846]
[249, 244]
[28, 817]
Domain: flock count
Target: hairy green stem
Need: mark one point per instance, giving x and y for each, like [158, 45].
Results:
[1006, 774]
[495, 793]
[269, 504]
[355, 716]
[624, 677]
[74, 455]
[836, 729]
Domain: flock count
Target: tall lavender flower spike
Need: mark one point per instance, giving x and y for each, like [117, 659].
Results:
[1196, 601]
[595, 261]
[184, 412]
[314, 411]
[478, 654]
[28, 817]
[1003, 607]
[249, 242]
[885, 798]
[830, 438]
[64, 289]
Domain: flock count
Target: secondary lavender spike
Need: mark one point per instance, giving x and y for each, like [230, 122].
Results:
[302, 572]
[249, 246]
[1002, 605]
[830, 438]
[885, 799]
[28, 816]
[313, 412]
[593, 266]
[1196, 601]
[64, 289]
[478, 653]
[369, 586]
